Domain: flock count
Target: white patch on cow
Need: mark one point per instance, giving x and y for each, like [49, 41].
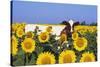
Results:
[71, 22]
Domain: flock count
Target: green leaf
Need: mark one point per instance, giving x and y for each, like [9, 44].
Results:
[33, 59]
[21, 52]
[39, 49]
[18, 62]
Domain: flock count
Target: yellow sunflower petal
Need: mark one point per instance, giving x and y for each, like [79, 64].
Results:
[45, 58]
[28, 45]
[14, 44]
[20, 32]
[67, 56]
[74, 35]
[43, 37]
[80, 43]
[14, 28]
[87, 57]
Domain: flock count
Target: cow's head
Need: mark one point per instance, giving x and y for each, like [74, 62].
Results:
[69, 27]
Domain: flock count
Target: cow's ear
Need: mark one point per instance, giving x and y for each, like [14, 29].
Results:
[75, 24]
[65, 22]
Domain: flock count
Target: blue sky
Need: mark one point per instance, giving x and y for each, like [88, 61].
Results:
[52, 13]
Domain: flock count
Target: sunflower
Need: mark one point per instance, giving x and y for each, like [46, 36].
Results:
[45, 58]
[67, 56]
[74, 35]
[20, 32]
[29, 34]
[43, 37]
[80, 43]
[82, 32]
[28, 45]
[63, 37]
[14, 28]
[87, 57]
[49, 29]
[14, 43]
[22, 25]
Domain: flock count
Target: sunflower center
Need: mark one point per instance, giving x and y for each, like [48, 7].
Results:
[20, 32]
[80, 43]
[43, 37]
[67, 58]
[46, 60]
[87, 59]
[29, 34]
[28, 45]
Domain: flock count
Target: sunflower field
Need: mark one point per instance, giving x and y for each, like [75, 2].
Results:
[31, 48]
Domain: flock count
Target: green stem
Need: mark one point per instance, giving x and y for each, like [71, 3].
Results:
[26, 59]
